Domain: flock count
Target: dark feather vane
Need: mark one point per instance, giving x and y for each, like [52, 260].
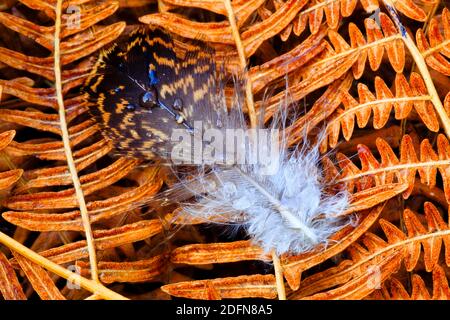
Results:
[142, 89]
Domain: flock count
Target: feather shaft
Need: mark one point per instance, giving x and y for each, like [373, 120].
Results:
[282, 210]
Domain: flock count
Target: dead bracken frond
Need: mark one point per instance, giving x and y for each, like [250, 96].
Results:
[374, 255]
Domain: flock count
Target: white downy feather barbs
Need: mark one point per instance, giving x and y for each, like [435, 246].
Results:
[286, 208]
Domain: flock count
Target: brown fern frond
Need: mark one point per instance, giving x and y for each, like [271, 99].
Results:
[98, 210]
[334, 62]
[370, 266]
[90, 183]
[58, 176]
[10, 287]
[313, 15]
[335, 10]
[391, 168]
[379, 38]
[241, 8]
[254, 286]
[394, 289]
[8, 178]
[293, 266]
[147, 270]
[437, 47]
[39, 279]
[67, 44]
[220, 32]
[284, 64]
[411, 10]
[85, 44]
[372, 262]
[59, 179]
[407, 95]
[197, 254]
[45, 35]
[326, 67]
[311, 77]
[322, 108]
[104, 239]
[417, 236]
[55, 268]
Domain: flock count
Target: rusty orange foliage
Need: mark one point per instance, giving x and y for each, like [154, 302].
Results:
[338, 63]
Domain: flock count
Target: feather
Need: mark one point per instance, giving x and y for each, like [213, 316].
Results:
[286, 208]
[250, 176]
[141, 90]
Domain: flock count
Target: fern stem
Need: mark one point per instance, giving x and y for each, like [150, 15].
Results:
[431, 13]
[162, 6]
[376, 102]
[317, 6]
[399, 167]
[67, 147]
[357, 49]
[436, 48]
[281, 290]
[243, 62]
[421, 64]
[87, 284]
[400, 244]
